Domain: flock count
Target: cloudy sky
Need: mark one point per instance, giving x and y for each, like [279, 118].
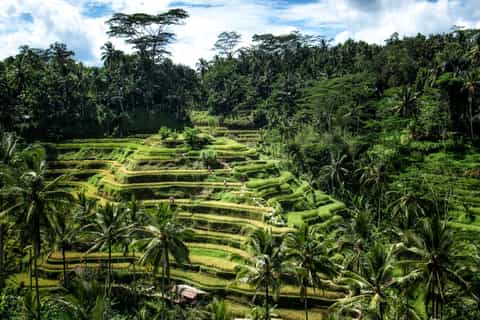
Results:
[80, 23]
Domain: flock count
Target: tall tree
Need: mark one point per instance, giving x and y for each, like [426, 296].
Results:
[85, 301]
[433, 260]
[471, 85]
[147, 33]
[64, 234]
[227, 41]
[39, 199]
[309, 259]
[163, 237]
[371, 287]
[264, 266]
[108, 229]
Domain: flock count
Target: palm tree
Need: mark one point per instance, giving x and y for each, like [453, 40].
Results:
[310, 259]
[335, 172]
[161, 237]
[5, 226]
[407, 207]
[84, 302]
[136, 217]
[371, 287]
[408, 102]
[373, 178]
[264, 266]
[8, 145]
[64, 233]
[474, 53]
[110, 55]
[108, 228]
[471, 83]
[39, 200]
[355, 235]
[431, 254]
[85, 209]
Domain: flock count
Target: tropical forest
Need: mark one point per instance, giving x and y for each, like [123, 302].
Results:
[290, 178]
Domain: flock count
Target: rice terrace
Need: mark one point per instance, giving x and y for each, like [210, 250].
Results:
[252, 175]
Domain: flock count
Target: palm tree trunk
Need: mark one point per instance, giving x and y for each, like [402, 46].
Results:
[64, 262]
[36, 253]
[164, 293]
[30, 273]
[305, 303]
[267, 313]
[37, 290]
[470, 110]
[134, 274]
[165, 278]
[167, 271]
[109, 271]
[1, 254]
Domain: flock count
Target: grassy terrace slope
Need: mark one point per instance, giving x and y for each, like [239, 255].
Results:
[453, 173]
[242, 192]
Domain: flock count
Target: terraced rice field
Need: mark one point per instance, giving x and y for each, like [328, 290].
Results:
[244, 191]
[457, 176]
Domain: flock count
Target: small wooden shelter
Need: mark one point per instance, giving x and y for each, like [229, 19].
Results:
[185, 294]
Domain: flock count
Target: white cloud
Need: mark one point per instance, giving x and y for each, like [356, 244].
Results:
[379, 20]
[369, 20]
[198, 35]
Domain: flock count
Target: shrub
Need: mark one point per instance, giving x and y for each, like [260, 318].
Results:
[194, 138]
[209, 158]
[164, 132]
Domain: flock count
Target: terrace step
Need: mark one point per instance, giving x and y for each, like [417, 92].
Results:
[228, 209]
[213, 237]
[225, 224]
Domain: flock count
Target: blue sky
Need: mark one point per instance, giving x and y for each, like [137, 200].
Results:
[80, 23]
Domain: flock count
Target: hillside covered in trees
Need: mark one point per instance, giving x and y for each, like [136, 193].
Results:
[292, 178]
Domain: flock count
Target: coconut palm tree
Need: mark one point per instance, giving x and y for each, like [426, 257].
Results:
[39, 200]
[64, 233]
[84, 301]
[85, 209]
[407, 106]
[471, 84]
[107, 229]
[430, 253]
[163, 237]
[354, 238]
[371, 287]
[309, 260]
[5, 226]
[8, 145]
[407, 207]
[335, 172]
[137, 217]
[264, 266]
[373, 179]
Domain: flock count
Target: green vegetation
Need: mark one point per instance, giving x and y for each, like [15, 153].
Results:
[293, 178]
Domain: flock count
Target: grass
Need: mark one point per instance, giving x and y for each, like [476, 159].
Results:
[318, 215]
[242, 310]
[23, 279]
[453, 173]
[265, 183]
[240, 223]
[217, 250]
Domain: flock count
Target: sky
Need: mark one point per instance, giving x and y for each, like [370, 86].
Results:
[81, 23]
